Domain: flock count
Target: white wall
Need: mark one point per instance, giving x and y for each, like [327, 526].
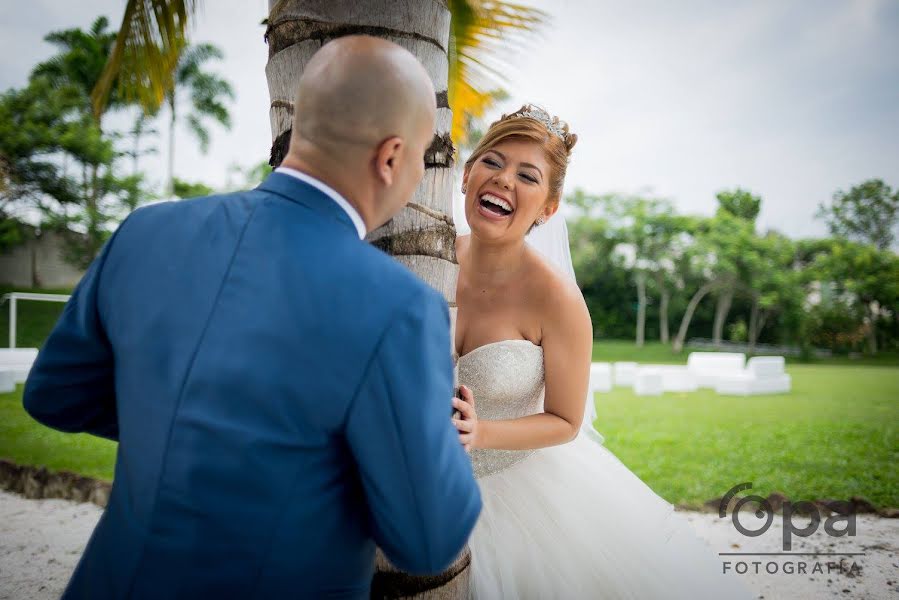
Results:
[38, 263]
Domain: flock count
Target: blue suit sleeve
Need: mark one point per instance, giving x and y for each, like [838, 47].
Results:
[71, 386]
[418, 480]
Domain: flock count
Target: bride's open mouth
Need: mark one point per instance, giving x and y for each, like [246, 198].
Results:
[494, 207]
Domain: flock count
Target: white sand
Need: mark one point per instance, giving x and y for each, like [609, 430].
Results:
[40, 543]
[41, 540]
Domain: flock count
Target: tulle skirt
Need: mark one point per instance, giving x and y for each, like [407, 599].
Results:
[572, 521]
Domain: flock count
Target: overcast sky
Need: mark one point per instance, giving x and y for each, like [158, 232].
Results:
[792, 100]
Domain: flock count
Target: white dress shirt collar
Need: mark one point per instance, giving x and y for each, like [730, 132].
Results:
[330, 192]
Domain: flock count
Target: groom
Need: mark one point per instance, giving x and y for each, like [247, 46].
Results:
[280, 389]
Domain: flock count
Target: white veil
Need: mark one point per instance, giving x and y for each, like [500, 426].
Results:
[551, 240]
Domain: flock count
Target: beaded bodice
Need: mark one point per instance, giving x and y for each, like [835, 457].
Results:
[506, 379]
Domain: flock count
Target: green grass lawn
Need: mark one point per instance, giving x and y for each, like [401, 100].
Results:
[26, 442]
[834, 436]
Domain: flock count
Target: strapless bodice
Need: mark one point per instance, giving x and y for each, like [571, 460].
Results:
[506, 379]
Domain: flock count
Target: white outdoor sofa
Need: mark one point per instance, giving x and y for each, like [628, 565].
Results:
[674, 378]
[648, 381]
[762, 375]
[600, 377]
[7, 380]
[709, 367]
[17, 361]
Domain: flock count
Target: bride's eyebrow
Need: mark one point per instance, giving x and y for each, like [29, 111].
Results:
[524, 164]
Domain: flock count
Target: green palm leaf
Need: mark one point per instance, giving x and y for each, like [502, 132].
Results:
[482, 32]
[145, 56]
[145, 53]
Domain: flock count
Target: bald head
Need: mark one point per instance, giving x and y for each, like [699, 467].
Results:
[359, 90]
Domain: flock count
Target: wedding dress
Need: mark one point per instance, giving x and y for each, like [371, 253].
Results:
[571, 521]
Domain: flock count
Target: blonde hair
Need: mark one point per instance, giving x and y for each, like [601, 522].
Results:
[557, 148]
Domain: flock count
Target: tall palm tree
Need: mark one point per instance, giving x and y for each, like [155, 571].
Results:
[422, 236]
[78, 66]
[208, 92]
[460, 51]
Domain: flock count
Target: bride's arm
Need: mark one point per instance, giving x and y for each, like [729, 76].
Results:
[567, 349]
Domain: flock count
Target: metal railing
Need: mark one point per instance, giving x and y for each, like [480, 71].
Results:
[13, 299]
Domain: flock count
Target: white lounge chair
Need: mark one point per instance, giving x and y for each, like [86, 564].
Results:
[708, 367]
[676, 378]
[18, 360]
[762, 375]
[7, 380]
[600, 377]
[625, 373]
[648, 382]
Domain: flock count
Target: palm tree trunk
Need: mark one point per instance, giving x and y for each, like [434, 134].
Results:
[641, 308]
[422, 236]
[725, 298]
[170, 186]
[688, 314]
[93, 208]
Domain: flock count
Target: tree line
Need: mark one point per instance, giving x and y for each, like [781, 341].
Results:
[63, 166]
[648, 272]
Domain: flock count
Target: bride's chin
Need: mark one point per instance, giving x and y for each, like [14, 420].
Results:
[488, 230]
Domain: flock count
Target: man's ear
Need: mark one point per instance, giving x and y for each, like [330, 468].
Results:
[387, 159]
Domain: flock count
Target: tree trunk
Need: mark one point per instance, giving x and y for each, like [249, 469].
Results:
[170, 186]
[422, 236]
[641, 308]
[688, 314]
[663, 314]
[753, 324]
[725, 298]
[872, 330]
[36, 282]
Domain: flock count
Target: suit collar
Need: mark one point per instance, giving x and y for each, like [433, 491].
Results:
[309, 195]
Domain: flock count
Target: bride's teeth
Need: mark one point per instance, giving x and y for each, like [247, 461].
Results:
[497, 201]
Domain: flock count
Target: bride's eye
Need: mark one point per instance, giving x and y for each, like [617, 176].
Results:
[491, 162]
[529, 178]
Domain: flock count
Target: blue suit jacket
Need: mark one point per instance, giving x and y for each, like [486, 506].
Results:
[280, 391]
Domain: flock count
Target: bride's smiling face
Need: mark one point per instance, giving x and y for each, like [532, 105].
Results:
[507, 190]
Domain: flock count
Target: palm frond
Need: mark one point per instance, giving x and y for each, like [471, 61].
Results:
[196, 126]
[146, 51]
[193, 57]
[485, 35]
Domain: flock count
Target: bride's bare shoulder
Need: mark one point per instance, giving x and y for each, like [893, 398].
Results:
[556, 292]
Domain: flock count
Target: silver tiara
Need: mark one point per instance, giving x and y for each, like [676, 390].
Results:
[538, 114]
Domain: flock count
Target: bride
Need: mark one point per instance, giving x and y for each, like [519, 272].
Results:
[562, 516]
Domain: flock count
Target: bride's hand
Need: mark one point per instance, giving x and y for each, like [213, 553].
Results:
[467, 426]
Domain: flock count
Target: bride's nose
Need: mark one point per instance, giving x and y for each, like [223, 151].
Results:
[502, 179]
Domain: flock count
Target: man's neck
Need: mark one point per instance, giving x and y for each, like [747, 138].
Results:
[349, 194]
